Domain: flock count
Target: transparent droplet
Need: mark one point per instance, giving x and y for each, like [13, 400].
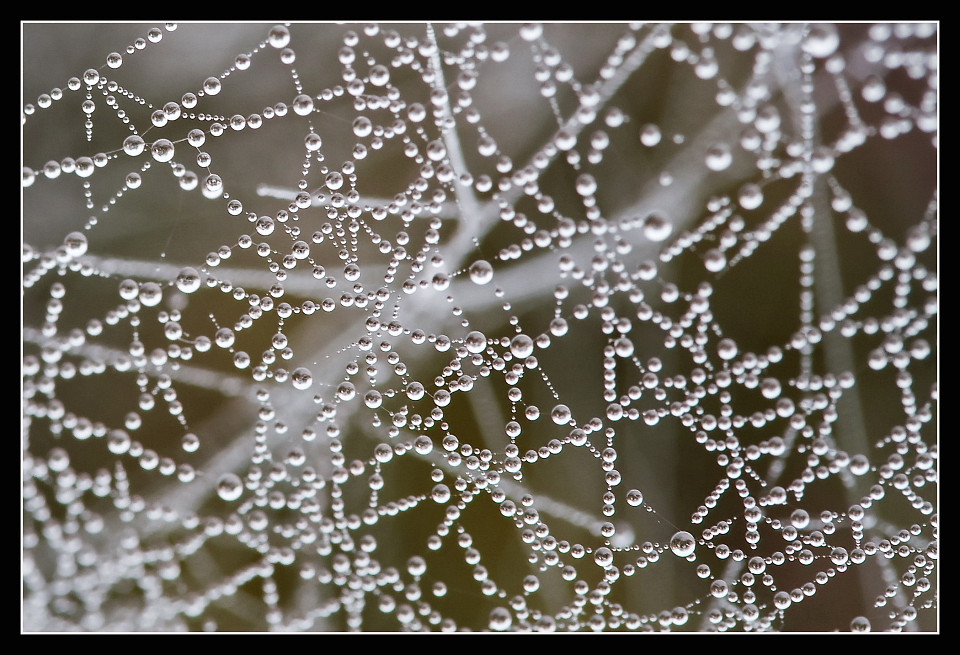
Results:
[440, 493]
[751, 196]
[133, 145]
[634, 498]
[279, 36]
[500, 619]
[162, 150]
[224, 337]
[75, 243]
[211, 86]
[302, 378]
[521, 346]
[682, 544]
[229, 487]
[151, 294]
[303, 105]
[821, 40]
[603, 556]
[118, 442]
[860, 624]
[334, 180]
[727, 349]
[650, 135]
[719, 157]
[481, 272]
[560, 414]
[188, 280]
[475, 342]
[656, 227]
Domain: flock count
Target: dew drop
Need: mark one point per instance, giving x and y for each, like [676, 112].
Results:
[229, 487]
[211, 86]
[440, 494]
[821, 40]
[118, 442]
[150, 294]
[224, 337]
[727, 349]
[302, 378]
[475, 342]
[603, 556]
[751, 196]
[634, 498]
[860, 624]
[500, 619]
[188, 280]
[719, 157]
[656, 227]
[75, 243]
[481, 272]
[682, 544]
[162, 150]
[521, 346]
[560, 414]
[650, 135]
[279, 36]
[303, 105]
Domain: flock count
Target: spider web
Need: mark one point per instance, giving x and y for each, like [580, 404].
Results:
[412, 327]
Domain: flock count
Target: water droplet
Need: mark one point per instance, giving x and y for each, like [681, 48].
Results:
[151, 294]
[346, 391]
[211, 86]
[719, 157]
[279, 36]
[650, 135]
[634, 498]
[188, 280]
[603, 556]
[860, 624]
[423, 445]
[821, 41]
[481, 272]
[440, 494]
[303, 105]
[521, 346]
[302, 378]
[656, 227]
[682, 544]
[75, 243]
[229, 487]
[162, 150]
[500, 619]
[475, 342]
[560, 414]
[751, 196]
[224, 337]
[133, 145]
[727, 349]
[118, 442]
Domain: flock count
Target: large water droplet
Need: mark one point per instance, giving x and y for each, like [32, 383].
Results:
[229, 487]
[75, 243]
[481, 272]
[302, 378]
[162, 150]
[521, 346]
[500, 619]
[682, 544]
[188, 280]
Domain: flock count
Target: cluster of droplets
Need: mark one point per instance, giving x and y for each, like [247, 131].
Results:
[388, 368]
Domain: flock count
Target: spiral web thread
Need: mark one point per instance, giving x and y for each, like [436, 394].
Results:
[562, 327]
